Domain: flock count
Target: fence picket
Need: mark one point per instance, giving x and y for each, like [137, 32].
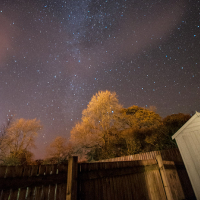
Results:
[29, 193]
[52, 192]
[22, 193]
[5, 194]
[16, 171]
[61, 192]
[38, 193]
[46, 191]
[34, 170]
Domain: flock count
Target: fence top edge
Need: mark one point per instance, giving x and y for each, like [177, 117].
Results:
[135, 162]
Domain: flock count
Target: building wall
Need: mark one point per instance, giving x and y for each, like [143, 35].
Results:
[188, 141]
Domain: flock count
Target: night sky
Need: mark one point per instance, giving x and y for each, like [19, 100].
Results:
[55, 55]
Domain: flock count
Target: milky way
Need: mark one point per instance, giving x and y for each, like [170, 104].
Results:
[54, 55]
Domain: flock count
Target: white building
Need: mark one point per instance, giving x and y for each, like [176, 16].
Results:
[188, 141]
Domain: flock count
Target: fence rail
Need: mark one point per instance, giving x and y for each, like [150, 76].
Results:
[171, 155]
[115, 180]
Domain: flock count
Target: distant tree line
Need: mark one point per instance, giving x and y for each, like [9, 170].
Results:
[106, 130]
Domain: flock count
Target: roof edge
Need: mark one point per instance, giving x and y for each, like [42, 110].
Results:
[197, 114]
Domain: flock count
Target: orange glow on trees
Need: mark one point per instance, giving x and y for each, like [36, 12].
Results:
[18, 140]
[98, 120]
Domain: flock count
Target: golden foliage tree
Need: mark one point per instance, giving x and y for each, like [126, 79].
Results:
[58, 151]
[147, 131]
[140, 132]
[98, 122]
[18, 141]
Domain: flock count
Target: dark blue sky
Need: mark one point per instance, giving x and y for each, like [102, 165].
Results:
[54, 55]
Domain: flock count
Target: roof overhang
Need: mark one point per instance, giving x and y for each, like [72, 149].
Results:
[197, 114]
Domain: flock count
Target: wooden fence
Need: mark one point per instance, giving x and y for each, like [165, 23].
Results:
[170, 155]
[142, 179]
[33, 182]
[123, 180]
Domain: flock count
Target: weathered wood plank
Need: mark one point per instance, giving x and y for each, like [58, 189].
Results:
[27, 170]
[119, 188]
[29, 193]
[96, 189]
[13, 194]
[82, 191]
[52, 192]
[164, 178]
[54, 169]
[186, 184]
[150, 185]
[114, 195]
[3, 171]
[22, 193]
[14, 171]
[142, 189]
[33, 193]
[131, 186]
[42, 169]
[160, 187]
[5, 194]
[72, 178]
[10, 172]
[88, 190]
[46, 191]
[115, 172]
[48, 169]
[61, 192]
[34, 170]
[111, 189]
[126, 187]
[154, 185]
[63, 168]
[176, 188]
[39, 194]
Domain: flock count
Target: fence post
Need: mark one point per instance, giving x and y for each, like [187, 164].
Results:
[72, 174]
[164, 178]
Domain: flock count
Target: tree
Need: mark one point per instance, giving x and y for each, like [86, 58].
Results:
[18, 140]
[3, 130]
[153, 133]
[140, 132]
[5, 125]
[175, 121]
[95, 131]
[171, 124]
[141, 117]
[24, 157]
[58, 151]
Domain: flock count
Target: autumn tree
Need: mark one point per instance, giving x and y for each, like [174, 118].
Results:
[148, 132]
[100, 120]
[58, 150]
[140, 129]
[171, 124]
[18, 141]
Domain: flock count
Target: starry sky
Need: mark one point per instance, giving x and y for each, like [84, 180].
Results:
[55, 55]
